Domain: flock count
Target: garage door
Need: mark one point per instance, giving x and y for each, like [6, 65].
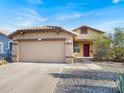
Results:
[41, 51]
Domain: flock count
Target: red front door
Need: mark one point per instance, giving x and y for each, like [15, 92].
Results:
[86, 48]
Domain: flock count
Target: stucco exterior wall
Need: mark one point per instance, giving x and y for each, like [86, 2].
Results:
[14, 51]
[90, 35]
[36, 35]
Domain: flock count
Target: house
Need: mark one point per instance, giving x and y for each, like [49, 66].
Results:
[52, 44]
[84, 42]
[5, 45]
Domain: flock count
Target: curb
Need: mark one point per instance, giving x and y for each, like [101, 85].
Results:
[57, 80]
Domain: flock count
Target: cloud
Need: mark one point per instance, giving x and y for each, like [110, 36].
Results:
[109, 25]
[19, 18]
[72, 15]
[25, 13]
[116, 1]
[29, 21]
[7, 28]
[29, 17]
[23, 17]
[32, 14]
[65, 17]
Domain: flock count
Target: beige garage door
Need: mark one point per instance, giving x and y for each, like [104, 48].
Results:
[41, 51]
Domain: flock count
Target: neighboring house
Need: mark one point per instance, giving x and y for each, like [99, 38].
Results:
[5, 45]
[52, 44]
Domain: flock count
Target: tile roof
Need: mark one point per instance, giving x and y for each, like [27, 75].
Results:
[6, 33]
[41, 28]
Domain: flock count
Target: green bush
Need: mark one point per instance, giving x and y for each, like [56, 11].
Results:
[110, 47]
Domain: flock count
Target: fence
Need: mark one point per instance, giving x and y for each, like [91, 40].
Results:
[121, 84]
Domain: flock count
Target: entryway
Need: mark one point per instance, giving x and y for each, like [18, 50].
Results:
[86, 48]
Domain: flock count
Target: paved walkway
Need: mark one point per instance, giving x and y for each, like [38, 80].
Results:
[83, 66]
[28, 77]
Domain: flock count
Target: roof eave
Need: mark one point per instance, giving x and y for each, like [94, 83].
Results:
[28, 30]
[89, 28]
[3, 34]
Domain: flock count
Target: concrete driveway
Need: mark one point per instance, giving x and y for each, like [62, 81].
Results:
[28, 77]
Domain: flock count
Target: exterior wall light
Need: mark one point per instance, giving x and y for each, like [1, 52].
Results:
[39, 39]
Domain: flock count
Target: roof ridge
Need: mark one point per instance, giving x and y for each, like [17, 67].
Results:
[4, 32]
[40, 27]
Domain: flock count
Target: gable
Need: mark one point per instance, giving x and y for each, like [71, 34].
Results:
[88, 35]
[78, 30]
[89, 32]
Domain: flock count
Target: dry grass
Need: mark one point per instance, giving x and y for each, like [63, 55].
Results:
[2, 61]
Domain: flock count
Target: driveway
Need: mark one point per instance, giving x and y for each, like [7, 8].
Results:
[28, 77]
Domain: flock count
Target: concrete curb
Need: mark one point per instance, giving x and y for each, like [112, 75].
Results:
[57, 80]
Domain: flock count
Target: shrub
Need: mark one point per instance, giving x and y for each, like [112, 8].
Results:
[110, 47]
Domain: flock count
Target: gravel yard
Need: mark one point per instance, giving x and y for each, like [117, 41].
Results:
[89, 80]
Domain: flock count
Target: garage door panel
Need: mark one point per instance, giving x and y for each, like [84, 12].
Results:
[45, 51]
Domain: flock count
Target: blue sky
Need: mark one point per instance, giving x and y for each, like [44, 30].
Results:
[100, 14]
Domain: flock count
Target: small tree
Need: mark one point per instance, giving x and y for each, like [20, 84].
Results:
[103, 47]
[118, 44]
[111, 46]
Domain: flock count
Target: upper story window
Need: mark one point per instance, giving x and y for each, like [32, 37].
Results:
[1, 47]
[83, 30]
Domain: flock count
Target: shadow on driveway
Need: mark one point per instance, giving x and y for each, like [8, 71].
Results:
[94, 75]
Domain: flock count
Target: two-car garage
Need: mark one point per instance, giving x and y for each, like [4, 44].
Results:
[41, 51]
[43, 44]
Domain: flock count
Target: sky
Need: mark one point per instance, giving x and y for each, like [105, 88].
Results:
[104, 15]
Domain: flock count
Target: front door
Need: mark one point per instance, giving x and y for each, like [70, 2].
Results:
[86, 48]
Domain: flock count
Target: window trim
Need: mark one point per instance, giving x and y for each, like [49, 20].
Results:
[9, 44]
[2, 47]
[83, 31]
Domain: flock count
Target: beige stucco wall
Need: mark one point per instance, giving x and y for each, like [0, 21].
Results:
[68, 42]
[14, 51]
[90, 35]
[36, 35]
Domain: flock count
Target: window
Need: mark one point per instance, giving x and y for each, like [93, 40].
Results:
[77, 48]
[1, 47]
[83, 30]
[10, 45]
